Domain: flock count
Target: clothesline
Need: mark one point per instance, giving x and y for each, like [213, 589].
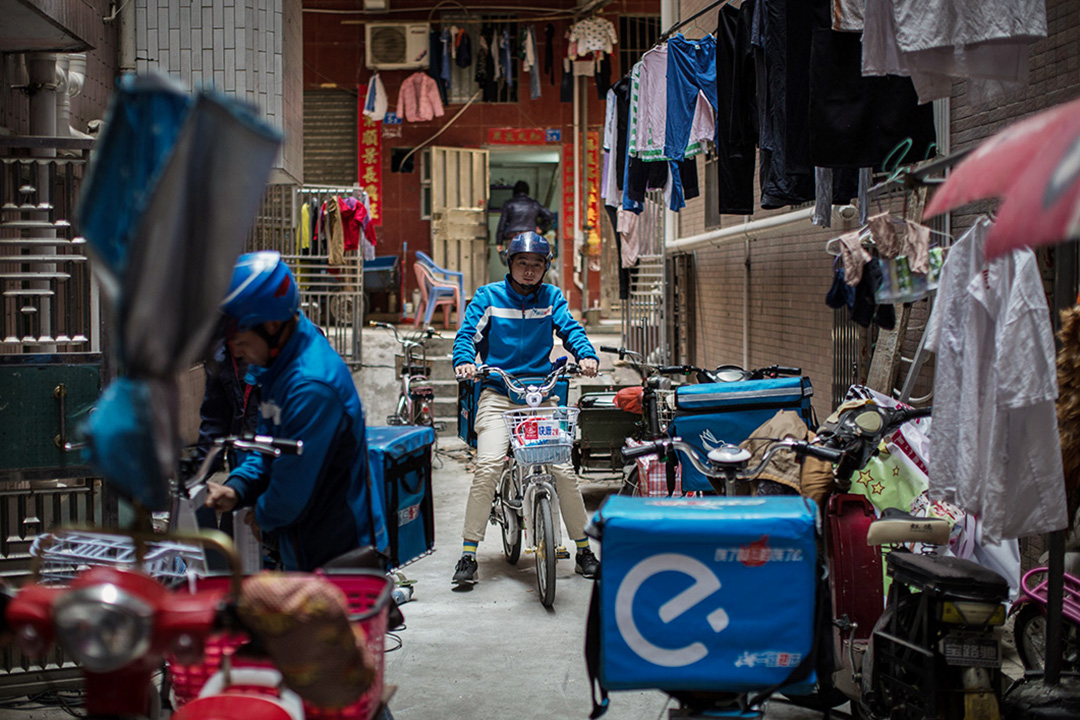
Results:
[695, 16]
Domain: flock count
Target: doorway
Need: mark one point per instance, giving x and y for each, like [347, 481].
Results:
[537, 165]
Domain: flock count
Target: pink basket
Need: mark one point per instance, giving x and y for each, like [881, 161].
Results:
[367, 593]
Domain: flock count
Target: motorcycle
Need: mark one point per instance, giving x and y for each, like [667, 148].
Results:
[120, 624]
[930, 648]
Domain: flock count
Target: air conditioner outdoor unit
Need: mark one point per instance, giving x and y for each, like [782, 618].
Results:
[396, 46]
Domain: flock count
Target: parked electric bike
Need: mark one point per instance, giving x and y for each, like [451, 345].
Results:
[934, 651]
[119, 624]
[416, 398]
[525, 497]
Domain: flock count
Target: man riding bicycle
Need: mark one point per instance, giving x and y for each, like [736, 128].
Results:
[509, 324]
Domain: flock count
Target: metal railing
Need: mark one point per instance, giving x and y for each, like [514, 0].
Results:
[645, 312]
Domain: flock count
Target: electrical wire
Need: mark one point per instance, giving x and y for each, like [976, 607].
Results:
[442, 129]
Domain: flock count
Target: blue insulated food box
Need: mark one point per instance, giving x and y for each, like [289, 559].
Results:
[710, 414]
[400, 459]
[706, 593]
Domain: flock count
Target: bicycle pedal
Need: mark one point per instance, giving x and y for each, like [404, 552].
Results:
[562, 553]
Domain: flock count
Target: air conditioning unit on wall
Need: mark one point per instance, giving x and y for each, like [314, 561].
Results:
[396, 46]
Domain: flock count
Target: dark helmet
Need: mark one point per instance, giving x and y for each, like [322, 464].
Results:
[262, 289]
[529, 242]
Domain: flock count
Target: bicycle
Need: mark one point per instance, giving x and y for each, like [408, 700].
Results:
[525, 496]
[656, 411]
[416, 398]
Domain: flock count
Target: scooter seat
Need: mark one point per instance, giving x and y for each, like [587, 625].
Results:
[955, 576]
[895, 527]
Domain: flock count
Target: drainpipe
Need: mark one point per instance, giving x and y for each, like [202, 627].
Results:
[126, 31]
[71, 74]
[579, 261]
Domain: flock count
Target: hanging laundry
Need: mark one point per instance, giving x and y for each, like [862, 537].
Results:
[305, 226]
[505, 56]
[376, 104]
[355, 222]
[462, 48]
[418, 98]
[529, 62]
[590, 35]
[994, 445]
[549, 51]
[691, 76]
[857, 121]
[603, 76]
[937, 42]
[781, 41]
[335, 233]
[436, 57]
[736, 111]
[444, 69]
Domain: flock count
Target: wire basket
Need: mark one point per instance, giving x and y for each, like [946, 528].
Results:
[368, 596]
[541, 436]
[64, 555]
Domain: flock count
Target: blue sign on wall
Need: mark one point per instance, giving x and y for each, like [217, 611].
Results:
[553, 135]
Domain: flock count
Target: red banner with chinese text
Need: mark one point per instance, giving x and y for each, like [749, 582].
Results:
[516, 136]
[592, 190]
[369, 158]
[566, 219]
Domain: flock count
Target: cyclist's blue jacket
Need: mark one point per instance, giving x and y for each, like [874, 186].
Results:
[514, 332]
[321, 503]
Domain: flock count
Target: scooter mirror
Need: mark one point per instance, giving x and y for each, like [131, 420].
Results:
[869, 422]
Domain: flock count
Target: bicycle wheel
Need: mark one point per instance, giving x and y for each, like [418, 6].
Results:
[509, 518]
[545, 549]
[1029, 632]
[630, 483]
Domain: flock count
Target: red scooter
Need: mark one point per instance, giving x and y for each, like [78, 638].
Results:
[120, 624]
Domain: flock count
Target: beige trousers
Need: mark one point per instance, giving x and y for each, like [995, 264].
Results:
[492, 443]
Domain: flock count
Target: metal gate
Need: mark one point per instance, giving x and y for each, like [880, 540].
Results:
[645, 314]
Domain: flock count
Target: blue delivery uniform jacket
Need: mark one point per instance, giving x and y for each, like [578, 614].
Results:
[514, 332]
[321, 503]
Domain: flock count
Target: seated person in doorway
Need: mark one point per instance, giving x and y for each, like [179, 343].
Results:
[521, 214]
[320, 504]
[509, 324]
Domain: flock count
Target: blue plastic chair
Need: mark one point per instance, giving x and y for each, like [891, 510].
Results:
[439, 289]
[449, 276]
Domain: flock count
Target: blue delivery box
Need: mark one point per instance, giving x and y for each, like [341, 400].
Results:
[706, 593]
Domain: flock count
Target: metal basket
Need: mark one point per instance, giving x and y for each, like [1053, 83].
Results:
[541, 436]
[65, 554]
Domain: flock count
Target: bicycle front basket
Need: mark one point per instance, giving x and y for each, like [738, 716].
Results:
[541, 436]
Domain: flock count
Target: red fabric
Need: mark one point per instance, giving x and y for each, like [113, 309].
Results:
[354, 218]
[652, 476]
[629, 399]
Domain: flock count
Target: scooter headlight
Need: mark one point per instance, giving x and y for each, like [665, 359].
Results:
[103, 627]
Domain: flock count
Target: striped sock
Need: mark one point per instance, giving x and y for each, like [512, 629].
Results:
[469, 548]
[582, 544]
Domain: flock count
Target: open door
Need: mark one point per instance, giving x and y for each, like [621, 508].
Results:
[459, 199]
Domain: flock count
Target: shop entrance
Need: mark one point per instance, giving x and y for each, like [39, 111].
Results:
[537, 165]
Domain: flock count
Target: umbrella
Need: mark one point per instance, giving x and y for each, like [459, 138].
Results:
[172, 191]
[1034, 167]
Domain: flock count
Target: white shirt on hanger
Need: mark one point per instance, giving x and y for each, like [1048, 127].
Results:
[994, 444]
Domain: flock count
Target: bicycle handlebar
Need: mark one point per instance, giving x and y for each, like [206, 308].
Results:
[263, 444]
[532, 394]
[801, 448]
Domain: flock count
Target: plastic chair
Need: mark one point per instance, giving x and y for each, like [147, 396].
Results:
[444, 276]
[436, 293]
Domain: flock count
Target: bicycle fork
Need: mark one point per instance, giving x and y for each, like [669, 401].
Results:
[536, 484]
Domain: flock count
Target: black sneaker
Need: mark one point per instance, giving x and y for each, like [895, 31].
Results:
[465, 572]
[586, 564]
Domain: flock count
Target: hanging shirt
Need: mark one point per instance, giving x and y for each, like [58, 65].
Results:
[418, 98]
[592, 34]
[305, 226]
[994, 444]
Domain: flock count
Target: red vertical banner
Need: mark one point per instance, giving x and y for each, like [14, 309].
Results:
[566, 221]
[592, 190]
[369, 158]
